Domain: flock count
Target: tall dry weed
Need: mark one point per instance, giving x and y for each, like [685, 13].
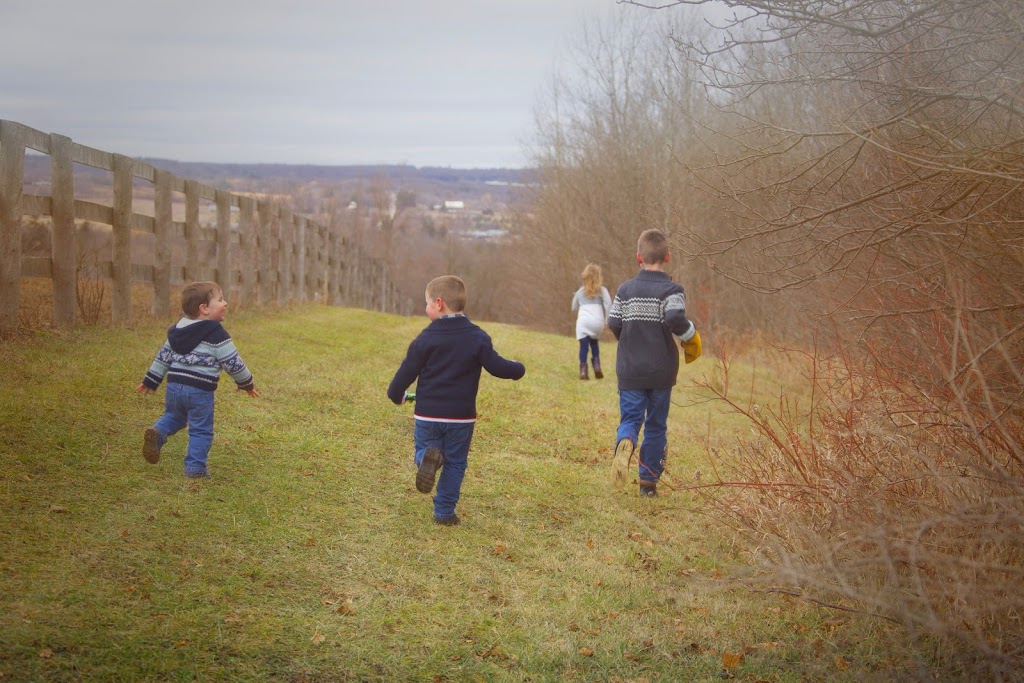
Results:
[884, 497]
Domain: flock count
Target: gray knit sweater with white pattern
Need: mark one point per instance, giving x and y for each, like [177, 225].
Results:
[648, 310]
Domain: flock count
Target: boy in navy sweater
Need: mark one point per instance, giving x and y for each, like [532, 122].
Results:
[445, 362]
[647, 316]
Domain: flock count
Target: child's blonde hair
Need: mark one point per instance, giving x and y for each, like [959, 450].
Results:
[592, 279]
[451, 290]
[195, 295]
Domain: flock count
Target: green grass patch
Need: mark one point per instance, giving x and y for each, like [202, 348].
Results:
[311, 556]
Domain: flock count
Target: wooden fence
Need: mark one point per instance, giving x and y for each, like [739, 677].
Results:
[269, 255]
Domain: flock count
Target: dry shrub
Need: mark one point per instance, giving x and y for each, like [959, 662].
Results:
[889, 499]
[90, 288]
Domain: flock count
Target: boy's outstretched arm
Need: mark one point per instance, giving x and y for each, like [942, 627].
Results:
[407, 373]
[502, 368]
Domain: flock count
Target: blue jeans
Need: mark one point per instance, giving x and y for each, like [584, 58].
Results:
[647, 407]
[453, 440]
[594, 350]
[188, 405]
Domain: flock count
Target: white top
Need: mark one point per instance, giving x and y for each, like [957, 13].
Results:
[593, 311]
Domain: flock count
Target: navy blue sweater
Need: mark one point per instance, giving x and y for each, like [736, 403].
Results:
[447, 357]
[647, 316]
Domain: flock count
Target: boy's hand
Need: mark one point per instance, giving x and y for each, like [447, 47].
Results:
[144, 390]
[692, 349]
[252, 392]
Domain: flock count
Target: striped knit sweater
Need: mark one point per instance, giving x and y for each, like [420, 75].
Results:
[194, 354]
[648, 316]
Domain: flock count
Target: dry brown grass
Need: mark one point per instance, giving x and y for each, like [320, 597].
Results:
[35, 302]
[876, 497]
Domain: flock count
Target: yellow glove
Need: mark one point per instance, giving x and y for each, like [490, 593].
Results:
[692, 348]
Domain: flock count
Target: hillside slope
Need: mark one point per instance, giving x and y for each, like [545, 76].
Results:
[311, 556]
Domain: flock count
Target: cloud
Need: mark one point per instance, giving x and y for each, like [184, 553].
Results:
[448, 82]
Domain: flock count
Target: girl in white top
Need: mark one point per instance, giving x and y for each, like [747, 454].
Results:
[592, 303]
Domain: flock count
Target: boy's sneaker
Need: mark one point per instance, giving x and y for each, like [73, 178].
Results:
[428, 470]
[620, 462]
[151, 445]
[197, 475]
[648, 491]
[447, 521]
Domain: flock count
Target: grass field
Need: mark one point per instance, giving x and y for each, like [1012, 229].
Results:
[310, 556]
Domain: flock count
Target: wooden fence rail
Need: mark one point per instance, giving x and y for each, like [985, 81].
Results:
[268, 255]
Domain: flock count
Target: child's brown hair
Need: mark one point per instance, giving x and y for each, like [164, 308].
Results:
[195, 295]
[450, 289]
[652, 246]
[592, 279]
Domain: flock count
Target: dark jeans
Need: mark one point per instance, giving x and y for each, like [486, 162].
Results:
[453, 439]
[647, 407]
[595, 351]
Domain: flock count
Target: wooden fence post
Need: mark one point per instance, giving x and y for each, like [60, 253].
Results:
[247, 245]
[225, 278]
[192, 231]
[121, 297]
[162, 244]
[284, 257]
[332, 249]
[63, 249]
[12, 179]
[300, 258]
[266, 211]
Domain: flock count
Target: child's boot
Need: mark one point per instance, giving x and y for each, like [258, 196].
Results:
[648, 490]
[427, 471]
[620, 462]
[151, 445]
[583, 371]
[597, 369]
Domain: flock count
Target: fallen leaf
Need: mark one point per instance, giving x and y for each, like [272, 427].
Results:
[586, 652]
[318, 638]
[731, 661]
[46, 653]
[58, 508]
[841, 663]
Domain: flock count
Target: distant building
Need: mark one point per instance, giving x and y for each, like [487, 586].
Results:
[454, 205]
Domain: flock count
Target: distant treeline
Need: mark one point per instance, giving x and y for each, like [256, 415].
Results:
[37, 166]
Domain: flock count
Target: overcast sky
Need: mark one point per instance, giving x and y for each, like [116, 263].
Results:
[423, 82]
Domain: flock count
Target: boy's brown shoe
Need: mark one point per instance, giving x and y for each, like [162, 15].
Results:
[620, 462]
[428, 470]
[151, 445]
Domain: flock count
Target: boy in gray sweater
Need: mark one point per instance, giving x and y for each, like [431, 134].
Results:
[647, 317]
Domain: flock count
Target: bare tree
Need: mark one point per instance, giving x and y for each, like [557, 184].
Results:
[870, 155]
[609, 136]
